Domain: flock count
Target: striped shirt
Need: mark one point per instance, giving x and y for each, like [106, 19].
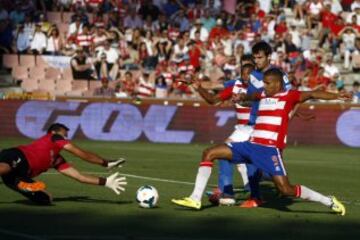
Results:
[242, 113]
[146, 88]
[273, 117]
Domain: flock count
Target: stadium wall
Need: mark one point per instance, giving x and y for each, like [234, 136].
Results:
[111, 121]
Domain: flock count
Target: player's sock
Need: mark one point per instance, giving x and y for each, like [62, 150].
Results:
[202, 178]
[308, 194]
[254, 176]
[226, 177]
[244, 175]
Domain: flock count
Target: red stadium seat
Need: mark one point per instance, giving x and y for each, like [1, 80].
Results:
[80, 85]
[53, 73]
[47, 84]
[10, 60]
[37, 72]
[67, 73]
[27, 61]
[62, 86]
[30, 85]
[20, 73]
[94, 84]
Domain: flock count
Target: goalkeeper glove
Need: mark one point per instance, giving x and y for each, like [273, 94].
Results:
[115, 163]
[116, 183]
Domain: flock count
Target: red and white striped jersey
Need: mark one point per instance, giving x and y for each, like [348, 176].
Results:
[84, 40]
[242, 113]
[145, 88]
[273, 117]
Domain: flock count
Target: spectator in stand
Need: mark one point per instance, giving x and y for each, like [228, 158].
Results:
[327, 19]
[204, 34]
[355, 61]
[81, 66]
[54, 43]
[107, 65]
[145, 88]
[348, 36]
[208, 20]
[133, 20]
[23, 41]
[17, 16]
[75, 28]
[356, 92]
[38, 43]
[104, 90]
[85, 39]
[161, 88]
[182, 20]
[330, 69]
[128, 84]
[314, 11]
[218, 30]
[4, 15]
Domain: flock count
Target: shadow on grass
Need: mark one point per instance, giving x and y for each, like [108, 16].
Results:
[75, 199]
[151, 225]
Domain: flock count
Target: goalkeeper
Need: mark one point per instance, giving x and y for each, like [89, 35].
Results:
[20, 164]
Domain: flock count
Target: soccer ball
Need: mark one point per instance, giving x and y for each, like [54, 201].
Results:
[147, 196]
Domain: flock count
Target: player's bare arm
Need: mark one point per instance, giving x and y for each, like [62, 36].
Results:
[204, 93]
[92, 157]
[75, 174]
[322, 95]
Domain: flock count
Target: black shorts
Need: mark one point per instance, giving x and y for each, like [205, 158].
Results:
[16, 160]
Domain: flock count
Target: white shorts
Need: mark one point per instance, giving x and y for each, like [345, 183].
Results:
[241, 133]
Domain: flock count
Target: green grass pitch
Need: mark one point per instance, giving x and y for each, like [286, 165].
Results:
[92, 212]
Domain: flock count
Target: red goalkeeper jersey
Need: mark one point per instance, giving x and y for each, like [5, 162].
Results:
[43, 154]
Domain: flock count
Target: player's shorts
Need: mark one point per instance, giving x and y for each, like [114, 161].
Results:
[16, 160]
[267, 159]
[241, 133]
[20, 172]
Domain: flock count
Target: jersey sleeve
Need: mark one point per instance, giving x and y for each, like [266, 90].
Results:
[226, 94]
[239, 87]
[61, 164]
[59, 141]
[294, 96]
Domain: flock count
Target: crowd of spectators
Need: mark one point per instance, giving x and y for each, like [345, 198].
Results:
[150, 48]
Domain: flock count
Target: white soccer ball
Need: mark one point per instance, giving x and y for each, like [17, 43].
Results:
[147, 196]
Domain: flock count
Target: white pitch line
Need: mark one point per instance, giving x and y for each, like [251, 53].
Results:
[141, 177]
[17, 234]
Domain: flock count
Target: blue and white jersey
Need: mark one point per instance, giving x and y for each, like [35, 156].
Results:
[256, 85]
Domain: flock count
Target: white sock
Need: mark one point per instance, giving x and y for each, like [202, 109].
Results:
[243, 172]
[311, 195]
[202, 178]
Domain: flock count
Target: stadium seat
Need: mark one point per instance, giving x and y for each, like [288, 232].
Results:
[47, 84]
[53, 73]
[67, 73]
[39, 60]
[10, 60]
[27, 61]
[62, 86]
[80, 85]
[20, 73]
[30, 85]
[94, 84]
[356, 60]
[37, 72]
[54, 17]
[75, 93]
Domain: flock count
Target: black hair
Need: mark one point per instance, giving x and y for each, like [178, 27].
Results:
[356, 84]
[262, 46]
[248, 65]
[276, 72]
[57, 127]
[247, 57]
